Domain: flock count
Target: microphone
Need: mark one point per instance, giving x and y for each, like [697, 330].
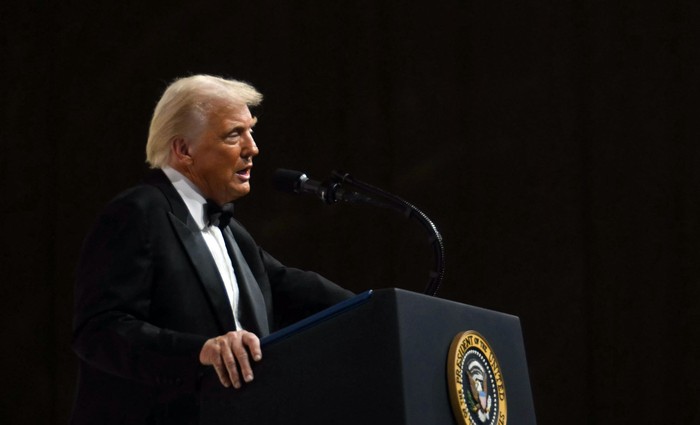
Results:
[329, 191]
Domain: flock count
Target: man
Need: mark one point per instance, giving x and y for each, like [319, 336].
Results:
[168, 284]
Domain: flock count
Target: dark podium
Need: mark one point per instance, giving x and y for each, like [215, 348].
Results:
[380, 358]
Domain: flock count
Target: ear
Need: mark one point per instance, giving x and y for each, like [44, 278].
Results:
[180, 151]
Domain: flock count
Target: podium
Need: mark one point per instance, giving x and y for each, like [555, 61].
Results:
[380, 358]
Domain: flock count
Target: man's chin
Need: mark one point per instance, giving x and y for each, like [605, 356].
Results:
[238, 192]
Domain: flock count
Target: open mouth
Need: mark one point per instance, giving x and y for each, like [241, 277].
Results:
[244, 174]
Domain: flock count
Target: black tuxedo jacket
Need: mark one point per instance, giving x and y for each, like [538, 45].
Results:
[148, 295]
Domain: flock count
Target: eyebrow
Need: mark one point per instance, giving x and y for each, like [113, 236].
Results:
[239, 125]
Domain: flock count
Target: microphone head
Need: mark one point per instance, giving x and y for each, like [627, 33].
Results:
[288, 180]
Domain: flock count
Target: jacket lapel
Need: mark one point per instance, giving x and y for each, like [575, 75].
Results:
[251, 305]
[196, 248]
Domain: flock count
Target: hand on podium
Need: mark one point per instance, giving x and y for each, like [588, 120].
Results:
[229, 353]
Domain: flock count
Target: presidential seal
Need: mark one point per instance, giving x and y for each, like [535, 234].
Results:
[477, 390]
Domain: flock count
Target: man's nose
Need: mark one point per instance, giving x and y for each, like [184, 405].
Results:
[250, 149]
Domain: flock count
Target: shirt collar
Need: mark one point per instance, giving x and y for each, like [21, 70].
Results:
[190, 194]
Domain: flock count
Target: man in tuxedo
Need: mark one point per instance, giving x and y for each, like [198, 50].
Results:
[169, 284]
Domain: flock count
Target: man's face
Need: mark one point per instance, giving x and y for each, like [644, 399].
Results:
[221, 158]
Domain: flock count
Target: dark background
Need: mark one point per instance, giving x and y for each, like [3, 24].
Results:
[553, 142]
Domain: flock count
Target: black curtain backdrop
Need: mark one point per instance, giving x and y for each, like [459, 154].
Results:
[553, 142]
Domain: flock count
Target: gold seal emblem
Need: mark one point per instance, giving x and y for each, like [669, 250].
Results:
[477, 390]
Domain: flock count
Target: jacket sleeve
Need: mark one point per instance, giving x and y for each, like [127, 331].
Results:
[298, 293]
[112, 328]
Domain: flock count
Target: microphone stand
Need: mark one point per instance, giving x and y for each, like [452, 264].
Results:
[406, 208]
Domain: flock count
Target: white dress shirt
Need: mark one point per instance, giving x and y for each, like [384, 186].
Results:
[195, 202]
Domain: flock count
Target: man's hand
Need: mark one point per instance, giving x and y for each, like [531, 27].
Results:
[229, 353]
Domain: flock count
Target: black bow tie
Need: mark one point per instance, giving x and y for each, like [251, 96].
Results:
[218, 215]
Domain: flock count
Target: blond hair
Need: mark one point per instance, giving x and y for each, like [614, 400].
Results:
[183, 109]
